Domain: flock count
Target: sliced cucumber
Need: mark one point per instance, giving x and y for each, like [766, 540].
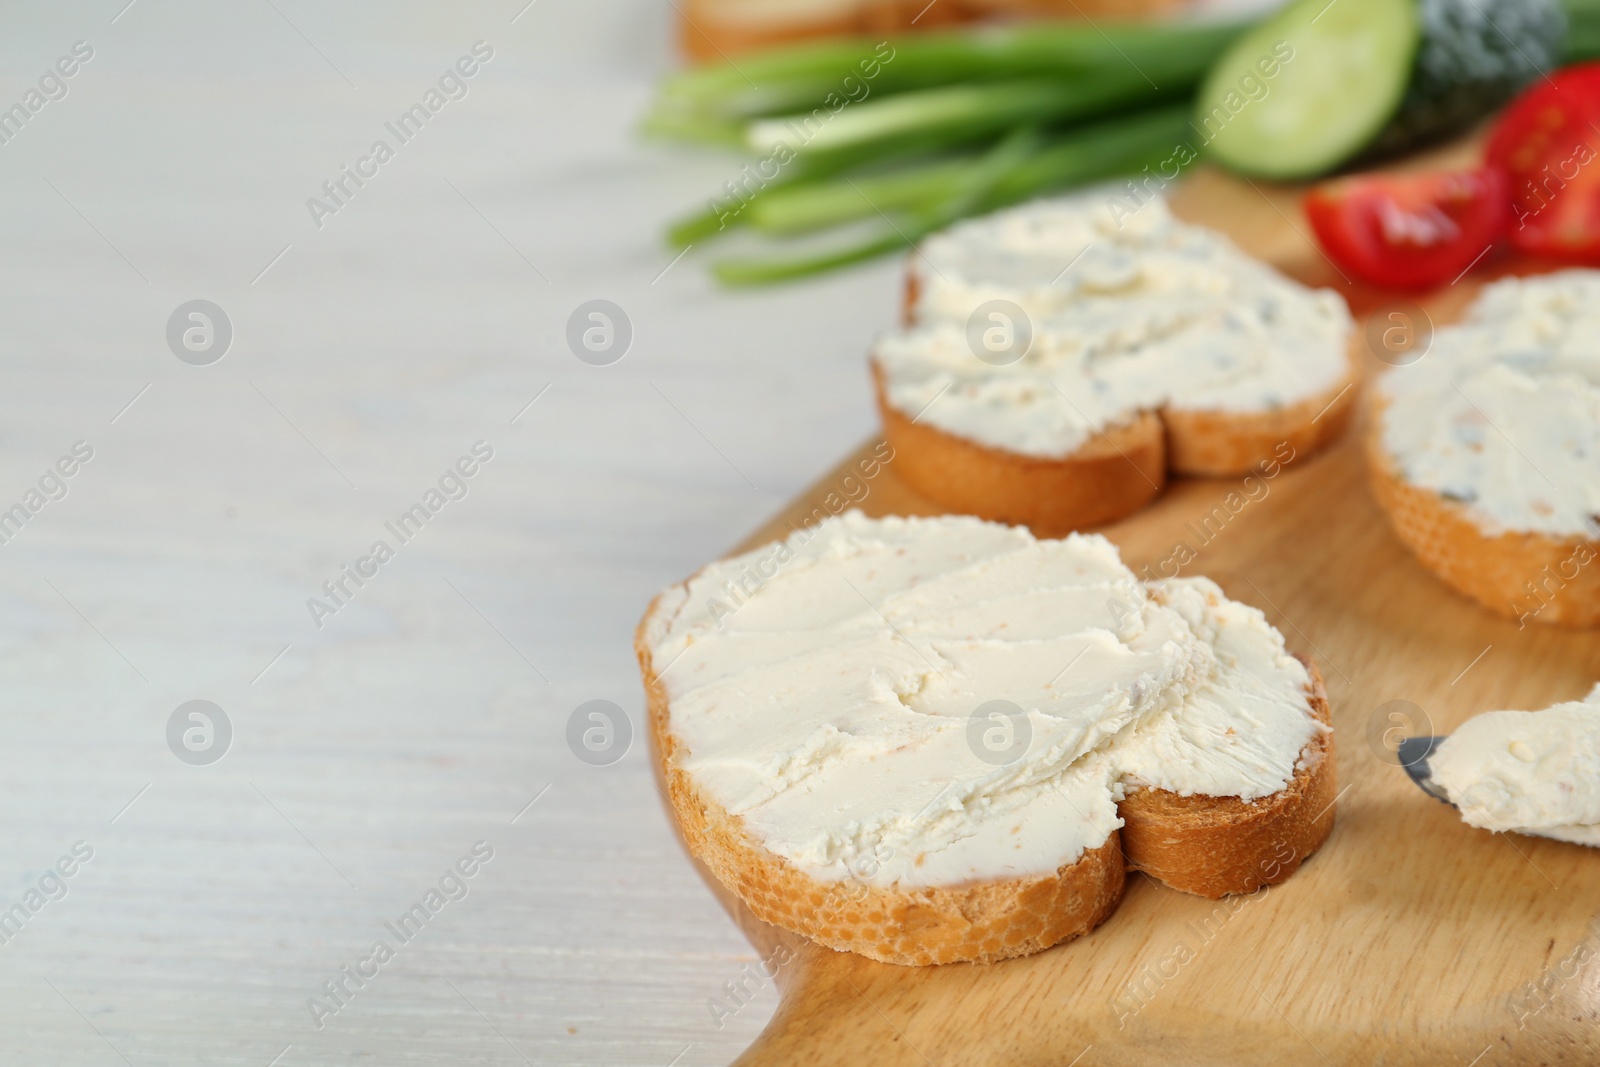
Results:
[1308, 88]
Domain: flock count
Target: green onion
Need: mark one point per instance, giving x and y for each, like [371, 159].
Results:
[979, 180]
[958, 110]
[1091, 152]
[730, 209]
[800, 77]
[813, 206]
[917, 201]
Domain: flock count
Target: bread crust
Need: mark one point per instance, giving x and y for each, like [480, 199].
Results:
[1217, 846]
[1181, 840]
[718, 29]
[1230, 443]
[1531, 577]
[1114, 474]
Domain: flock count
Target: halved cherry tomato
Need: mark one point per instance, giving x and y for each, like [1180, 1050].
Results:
[1548, 145]
[1410, 231]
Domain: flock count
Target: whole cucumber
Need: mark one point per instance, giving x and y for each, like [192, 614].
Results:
[1356, 79]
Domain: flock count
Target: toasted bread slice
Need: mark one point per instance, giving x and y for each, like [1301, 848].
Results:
[1119, 470]
[1528, 576]
[719, 29]
[984, 922]
[1209, 846]
[1230, 443]
[1082, 490]
[1115, 474]
[1217, 846]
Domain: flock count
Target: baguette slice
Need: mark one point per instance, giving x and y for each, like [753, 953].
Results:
[1217, 846]
[1113, 475]
[719, 29]
[1527, 576]
[1207, 845]
[1486, 454]
[1118, 471]
[1223, 444]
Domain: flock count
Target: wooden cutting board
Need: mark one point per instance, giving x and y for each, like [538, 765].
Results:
[1410, 938]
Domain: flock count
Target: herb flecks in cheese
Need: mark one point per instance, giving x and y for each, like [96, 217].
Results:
[1503, 414]
[1537, 772]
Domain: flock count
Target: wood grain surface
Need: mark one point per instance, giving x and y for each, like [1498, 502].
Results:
[1410, 938]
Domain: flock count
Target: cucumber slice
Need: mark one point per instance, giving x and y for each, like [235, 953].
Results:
[1308, 88]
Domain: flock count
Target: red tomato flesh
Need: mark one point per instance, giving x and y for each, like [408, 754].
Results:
[1548, 145]
[1409, 231]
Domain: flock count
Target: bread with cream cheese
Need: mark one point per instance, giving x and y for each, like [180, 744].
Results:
[816, 709]
[1152, 346]
[1485, 454]
[1111, 476]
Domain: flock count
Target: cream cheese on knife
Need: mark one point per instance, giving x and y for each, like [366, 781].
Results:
[1535, 772]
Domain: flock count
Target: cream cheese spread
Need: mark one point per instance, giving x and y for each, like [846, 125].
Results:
[937, 701]
[1119, 313]
[1503, 414]
[1536, 772]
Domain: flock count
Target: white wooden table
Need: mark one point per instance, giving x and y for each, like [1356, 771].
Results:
[367, 356]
